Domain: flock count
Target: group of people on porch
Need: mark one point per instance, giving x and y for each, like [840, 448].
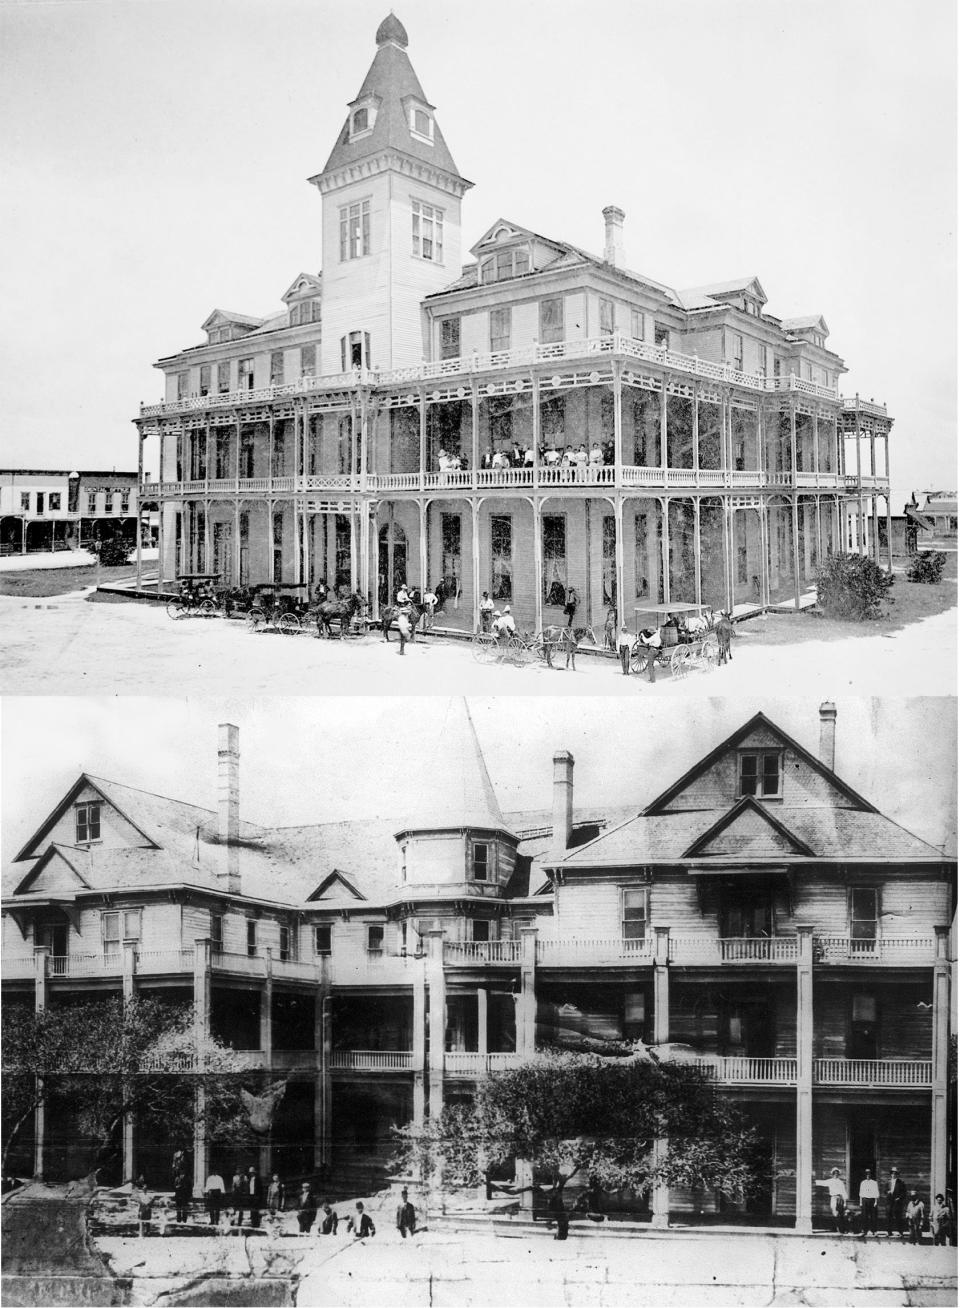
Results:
[903, 1208]
[578, 457]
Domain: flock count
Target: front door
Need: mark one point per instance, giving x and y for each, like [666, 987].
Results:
[392, 559]
[223, 551]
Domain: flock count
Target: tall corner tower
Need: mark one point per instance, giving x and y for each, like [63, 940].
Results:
[391, 216]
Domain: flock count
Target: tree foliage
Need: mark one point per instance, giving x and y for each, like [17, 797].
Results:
[851, 586]
[927, 567]
[115, 552]
[102, 1060]
[571, 1114]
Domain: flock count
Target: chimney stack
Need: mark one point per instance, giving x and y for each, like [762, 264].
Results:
[562, 801]
[613, 235]
[828, 733]
[228, 807]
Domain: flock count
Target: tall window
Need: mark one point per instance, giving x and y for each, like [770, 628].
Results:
[741, 521]
[422, 123]
[91, 502]
[449, 338]
[322, 940]
[738, 351]
[308, 361]
[636, 324]
[119, 928]
[864, 917]
[360, 121]
[609, 561]
[342, 551]
[505, 264]
[553, 418]
[450, 542]
[606, 317]
[183, 383]
[355, 350]
[278, 545]
[864, 1040]
[634, 919]
[205, 374]
[427, 224]
[25, 501]
[500, 325]
[53, 504]
[760, 772]
[375, 939]
[661, 336]
[501, 556]
[251, 937]
[479, 929]
[246, 451]
[554, 558]
[223, 377]
[500, 413]
[762, 359]
[288, 943]
[88, 823]
[354, 230]
[304, 311]
[747, 917]
[481, 861]
[276, 367]
[216, 932]
[245, 375]
[551, 320]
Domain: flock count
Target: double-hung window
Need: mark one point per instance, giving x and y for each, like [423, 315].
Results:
[354, 230]
[864, 918]
[88, 823]
[551, 320]
[276, 367]
[245, 375]
[375, 935]
[500, 328]
[481, 861]
[427, 231]
[636, 324]
[606, 317]
[634, 914]
[323, 940]
[251, 937]
[216, 933]
[760, 773]
[118, 928]
[449, 338]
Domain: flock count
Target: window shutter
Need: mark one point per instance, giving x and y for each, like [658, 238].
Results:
[343, 354]
[366, 349]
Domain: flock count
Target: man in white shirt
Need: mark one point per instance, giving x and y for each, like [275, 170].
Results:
[625, 646]
[503, 625]
[486, 612]
[653, 643]
[869, 1202]
[214, 1191]
[838, 1200]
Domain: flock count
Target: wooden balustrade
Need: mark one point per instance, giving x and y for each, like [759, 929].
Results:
[873, 1071]
[470, 952]
[371, 1060]
[473, 1065]
[578, 952]
[736, 1070]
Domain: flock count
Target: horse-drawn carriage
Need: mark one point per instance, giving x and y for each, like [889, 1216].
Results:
[687, 639]
[196, 596]
[288, 607]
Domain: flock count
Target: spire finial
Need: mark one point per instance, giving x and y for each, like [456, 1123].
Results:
[391, 29]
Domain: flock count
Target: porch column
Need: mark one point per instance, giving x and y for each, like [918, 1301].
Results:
[618, 562]
[128, 965]
[874, 512]
[354, 548]
[764, 554]
[537, 433]
[266, 1046]
[665, 546]
[140, 440]
[859, 518]
[474, 433]
[423, 438]
[819, 505]
[795, 522]
[804, 1212]
[537, 564]
[526, 1022]
[695, 419]
[419, 1040]
[617, 423]
[696, 551]
[889, 532]
[236, 541]
[424, 562]
[201, 1030]
[483, 1042]
[940, 1052]
[816, 446]
[322, 1032]
[660, 1198]
[475, 558]
[364, 439]
[160, 516]
[41, 971]
[728, 539]
[363, 531]
[663, 431]
[438, 1017]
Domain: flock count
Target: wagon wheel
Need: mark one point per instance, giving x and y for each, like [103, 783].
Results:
[679, 661]
[517, 652]
[289, 624]
[256, 619]
[638, 659]
[175, 609]
[480, 643]
[208, 608]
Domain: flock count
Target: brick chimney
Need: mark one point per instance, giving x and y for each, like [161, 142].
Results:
[562, 801]
[228, 806]
[613, 235]
[828, 733]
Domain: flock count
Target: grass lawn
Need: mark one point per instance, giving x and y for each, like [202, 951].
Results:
[58, 581]
[908, 602]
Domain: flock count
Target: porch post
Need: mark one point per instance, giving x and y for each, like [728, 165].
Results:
[526, 1025]
[804, 1207]
[697, 579]
[423, 438]
[140, 439]
[438, 1017]
[795, 524]
[660, 1198]
[940, 1051]
[419, 1041]
[618, 546]
[475, 559]
[41, 965]
[321, 1094]
[424, 561]
[128, 964]
[860, 531]
[483, 1041]
[266, 1046]
[201, 1030]
[665, 546]
[537, 563]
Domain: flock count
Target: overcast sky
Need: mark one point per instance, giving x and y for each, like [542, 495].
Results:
[154, 157]
[315, 760]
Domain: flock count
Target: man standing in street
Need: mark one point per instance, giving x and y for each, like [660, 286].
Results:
[406, 1216]
[253, 1195]
[486, 612]
[916, 1212]
[624, 646]
[213, 1189]
[869, 1199]
[896, 1198]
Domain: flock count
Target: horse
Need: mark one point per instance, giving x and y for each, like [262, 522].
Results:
[568, 638]
[724, 630]
[390, 612]
[342, 609]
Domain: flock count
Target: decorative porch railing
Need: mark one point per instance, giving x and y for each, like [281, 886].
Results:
[748, 1071]
[578, 952]
[471, 952]
[873, 1072]
[19, 967]
[733, 949]
[164, 960]
[883, 949]
[371, 1060]
[85, 964]
[587, 349]
[472, 1065]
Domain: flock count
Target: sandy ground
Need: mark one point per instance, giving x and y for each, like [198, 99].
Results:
[64, 646]
[62, 559]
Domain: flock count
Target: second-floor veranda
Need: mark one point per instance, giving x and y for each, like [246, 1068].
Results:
[520, 420]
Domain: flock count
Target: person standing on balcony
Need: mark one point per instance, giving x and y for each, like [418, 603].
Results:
[896, 1198]
[916, 1212]
[869, 1200]
[596, 455]
[213, 1189]
[624, 646]
[838, 1200]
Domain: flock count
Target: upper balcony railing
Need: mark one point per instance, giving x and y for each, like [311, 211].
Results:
[371, 1060]
[466, 366]
[873, 1071]
[472, 1065]
[907, 950]
[470, 953]
[748, 1071]
[733, 949]
[588, 951]
[865, 406]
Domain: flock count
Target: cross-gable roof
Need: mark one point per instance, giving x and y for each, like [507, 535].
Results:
[303, 284]
[747, 831]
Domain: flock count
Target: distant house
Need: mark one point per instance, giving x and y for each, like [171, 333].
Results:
[45, 510]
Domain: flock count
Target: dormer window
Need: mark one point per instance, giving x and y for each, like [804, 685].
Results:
[505, 264]
[304, 311]
[88, 823]
[362, 118]
[421, 124]
[760, 773]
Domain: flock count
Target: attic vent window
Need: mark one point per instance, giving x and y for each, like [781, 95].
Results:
[504, 265]
[361, 121]
[88, 823]
[421, 124]
[760, 773]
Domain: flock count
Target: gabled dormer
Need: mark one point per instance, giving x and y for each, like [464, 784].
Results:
[88, 817]
[302, 299]
[223, 325]
[507, 250]
[813, 329]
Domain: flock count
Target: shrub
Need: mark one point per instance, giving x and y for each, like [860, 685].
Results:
[927, 567]
[114, 553]
[851, 586]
